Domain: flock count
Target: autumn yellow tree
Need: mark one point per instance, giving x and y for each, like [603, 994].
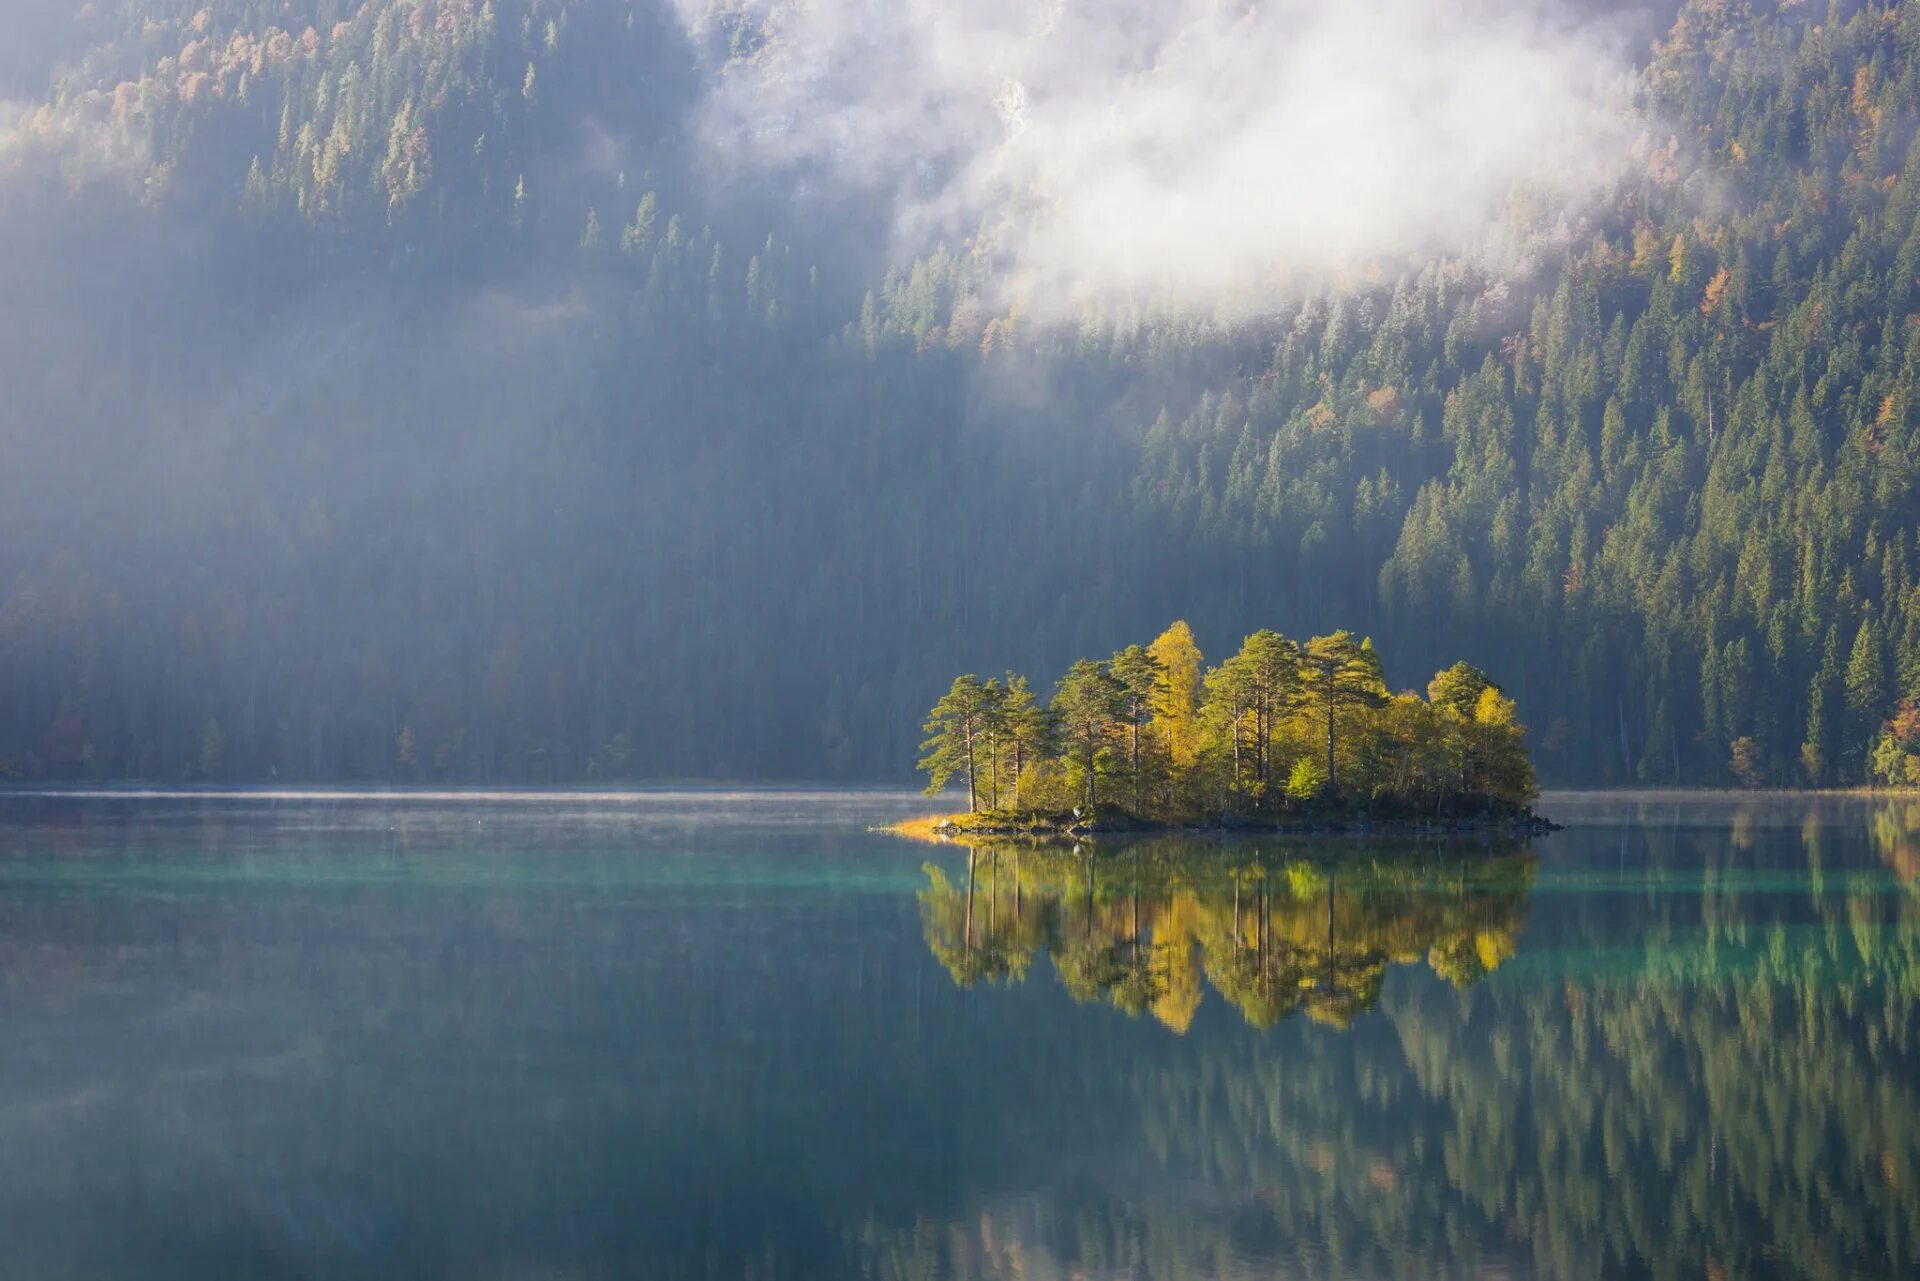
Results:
[1176, 699]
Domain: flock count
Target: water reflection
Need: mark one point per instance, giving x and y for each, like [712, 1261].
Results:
[673, 1039]
[1275, 930]
[1895, 829]
[1704, 1061]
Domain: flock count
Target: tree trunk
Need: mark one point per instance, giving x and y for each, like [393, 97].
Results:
[1136, 755]
[1330, 782]
[1236, 750]
[1093, 794]
[973, 804]
[1262, 735]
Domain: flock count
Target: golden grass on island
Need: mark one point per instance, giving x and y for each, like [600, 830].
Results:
[930, 829]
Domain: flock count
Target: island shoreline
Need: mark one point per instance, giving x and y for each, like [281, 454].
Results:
[1042, 828]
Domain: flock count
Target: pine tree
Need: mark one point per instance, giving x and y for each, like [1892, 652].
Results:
[1458, 689]
[1865, 688]
[1139, 675]
[1028, 729]
[1230, 694]
[1272, 664]
[1340, 674]
[1089, 707]
[954, 731]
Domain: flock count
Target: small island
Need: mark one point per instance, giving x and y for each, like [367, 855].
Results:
[1282, 735]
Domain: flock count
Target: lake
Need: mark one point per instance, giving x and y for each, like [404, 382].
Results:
[711, 1034]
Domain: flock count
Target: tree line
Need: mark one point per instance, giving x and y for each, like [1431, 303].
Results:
[1281, 726]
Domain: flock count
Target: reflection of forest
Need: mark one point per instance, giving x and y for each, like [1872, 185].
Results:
[1703, 1060]
[1274, 933]
[1896, 838]
[1705, 1063]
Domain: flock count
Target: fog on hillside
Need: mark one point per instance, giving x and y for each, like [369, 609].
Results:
[513, 392]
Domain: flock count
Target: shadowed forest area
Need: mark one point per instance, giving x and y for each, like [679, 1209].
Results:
[398, 390]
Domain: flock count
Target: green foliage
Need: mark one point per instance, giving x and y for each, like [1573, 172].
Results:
[1338, 677]
[1264, 718]
[1141, 678]
[959, 730]
[1457, 690]
[1089, 707]
[1306, 780]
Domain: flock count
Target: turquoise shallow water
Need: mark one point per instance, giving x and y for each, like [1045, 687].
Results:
[715, 1034]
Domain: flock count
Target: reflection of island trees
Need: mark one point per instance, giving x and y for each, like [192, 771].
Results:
[1708, 1065]
[1149, 927]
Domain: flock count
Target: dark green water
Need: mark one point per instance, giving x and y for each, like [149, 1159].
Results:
[738, 1036]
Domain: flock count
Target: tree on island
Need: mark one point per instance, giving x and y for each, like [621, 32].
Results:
[1273, 676]
[1176, 699]
[1088, 709]
[1025, 727]
[1138, 674]
[1279, 727]
[1339, 674]
[956, 729]
[1250, 692]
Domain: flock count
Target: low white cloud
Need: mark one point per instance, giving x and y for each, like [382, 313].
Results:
[1188, 151]
[82, 141]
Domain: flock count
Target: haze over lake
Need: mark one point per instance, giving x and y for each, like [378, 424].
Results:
[716, 1034]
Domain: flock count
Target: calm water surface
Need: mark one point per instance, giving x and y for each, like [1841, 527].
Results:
[736, 1035]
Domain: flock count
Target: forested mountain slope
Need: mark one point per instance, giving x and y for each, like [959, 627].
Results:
[391, 392]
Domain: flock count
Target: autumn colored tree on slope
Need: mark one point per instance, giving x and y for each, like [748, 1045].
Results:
[1278, 727]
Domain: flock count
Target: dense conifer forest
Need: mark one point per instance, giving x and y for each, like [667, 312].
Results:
[392, 393]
